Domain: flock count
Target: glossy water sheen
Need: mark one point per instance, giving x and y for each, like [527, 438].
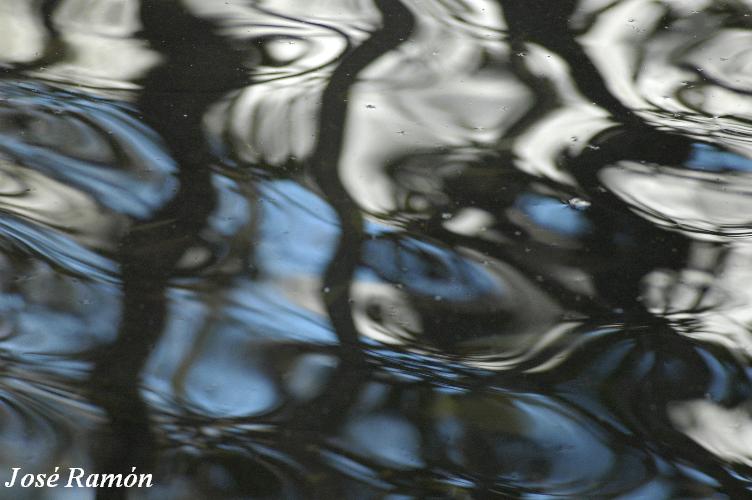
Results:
[378, 248]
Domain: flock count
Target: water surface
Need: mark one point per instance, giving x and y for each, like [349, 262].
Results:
[378, 248]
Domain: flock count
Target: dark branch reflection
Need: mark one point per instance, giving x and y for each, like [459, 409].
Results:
[173, 101]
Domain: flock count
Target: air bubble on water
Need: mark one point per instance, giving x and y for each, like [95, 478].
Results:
[210, 432]
[446, 215]
[327, 289]
[370, 106]
[578, 203]
[437, 298]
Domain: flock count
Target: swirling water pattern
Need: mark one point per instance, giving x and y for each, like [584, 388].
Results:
[378, 248]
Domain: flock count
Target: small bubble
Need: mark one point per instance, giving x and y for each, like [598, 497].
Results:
[210, 432]
[578, 203]
[437, 298]
[370, 106]
[327, 289]
[446, 215]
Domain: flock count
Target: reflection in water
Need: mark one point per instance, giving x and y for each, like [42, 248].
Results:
[378, 248]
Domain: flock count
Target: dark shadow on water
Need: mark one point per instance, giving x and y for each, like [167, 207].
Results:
[196, 72]
[324, 168]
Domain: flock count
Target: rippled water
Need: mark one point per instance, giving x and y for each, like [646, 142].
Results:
[378, 248]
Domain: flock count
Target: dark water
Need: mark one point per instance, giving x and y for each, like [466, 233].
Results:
[378, 248]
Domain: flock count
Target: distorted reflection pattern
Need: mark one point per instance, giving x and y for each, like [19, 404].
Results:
[378, 248]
